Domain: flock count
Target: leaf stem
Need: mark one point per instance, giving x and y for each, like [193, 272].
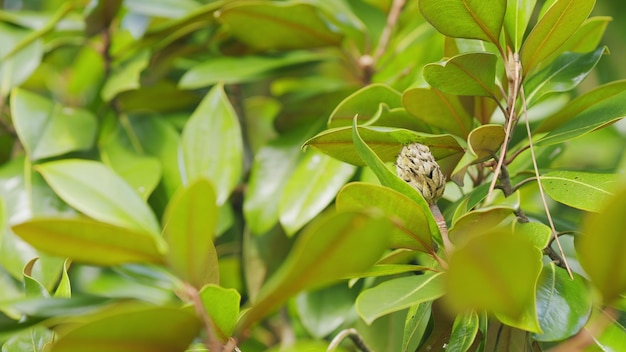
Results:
[353, 335]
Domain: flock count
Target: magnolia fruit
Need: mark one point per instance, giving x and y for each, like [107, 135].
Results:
[417, 166]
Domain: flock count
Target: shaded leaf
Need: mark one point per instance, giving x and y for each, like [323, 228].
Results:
[438, 109]
[32, 287]
[600, 247]
[47, 129]
[398, 294]
[17, 68]
[558, 23]
[190, 222]
[330, 237]
[289, 25]
[563, 304]
[475, 222]
[464, 332]
[581, 190]
[222, 305]
[161, 8]
[125, 76]
[97, 191]
[323, 311]
[90, 242]
[417, 319]
[481, 276]
[465, 74]
[311, 187]
[365, 103]
[412, 229]
[472, 19]
[212, 145]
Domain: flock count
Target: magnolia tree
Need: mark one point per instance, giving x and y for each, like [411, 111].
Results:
[346, 175]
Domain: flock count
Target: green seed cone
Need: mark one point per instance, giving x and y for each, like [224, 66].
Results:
[417, 166]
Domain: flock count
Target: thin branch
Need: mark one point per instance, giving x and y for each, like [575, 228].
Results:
[392, 19]
[443, 228]
[353, 335]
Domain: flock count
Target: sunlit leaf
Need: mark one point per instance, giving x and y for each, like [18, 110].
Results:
[47, 129]
[482, 144]
[365, 103]
[125, 76]
[518, 13]
[212, 145]
[465, 74]
[397, 294]
[64, 288]
[329, 237]
[473, 19]
[581, 190]
[417, 319]
[312, 186]
[600, 247]
[190, 222]
[563, 304]
[222, 306]
[438, 109]
[475, 222]
[16, 69]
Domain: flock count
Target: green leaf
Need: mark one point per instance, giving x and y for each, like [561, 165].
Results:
[32, 287]
[64, 288]
[518, 13]
[47, 129]
[212, 145]
[98, 192]
[286, 25]
[588, 36]
[323, 311]
[190, 222]
[240, 69]
[390, 179]
[90, 242]
[563, 304]
[34, 339]
[538, 233]
[464, 332]
[497, 272]
[472, 19]
[475, 222]
[125, 76]
[415, 326]
[411, 224]
[162, 8]
[482, 144]
[595, 117]
[438, 109]
[600, 247]
[582, 190]
[311, 187]
[596, 96]
[563, 74]
[558, 23]
[365, 103]
[397, 294]
[390, 269]
[386, 143]
[16, 69]
[270, 170]
[125, 329]
[222, 305]
[464, 74]
[329, 238]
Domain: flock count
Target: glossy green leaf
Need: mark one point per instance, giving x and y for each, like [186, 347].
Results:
[190, 221]
[538, 233]
[222, 306]
[600, 247]
[481, 276]
[558, 23]
[233, 69]
[476, 222]
[98, 192]
[64, 288]
[330, 238]
[482, 144]
[595, 96]
[90, 242]
[412, 230]
[212, 145]
[386, 143]
[271, 168]
[311, 187]
[564, 74]
[417, 319]
[596, 116]
[563, 304]
[613, 338]
[47, 129]
[472, 19]
[464, 74]
[464, 332]
[398, 294]
[32, 287]
[581, 190]
[518, 13]
[438, 109]
[16, 69]
[389, 179]
[30, 340]
[588, 36]
[365, 103]
[125, 76]
[271, 25]
[323, 311]
[122, 329]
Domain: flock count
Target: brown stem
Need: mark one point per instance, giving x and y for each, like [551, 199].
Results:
[443, 228]
[212, 342]
[353, 335]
